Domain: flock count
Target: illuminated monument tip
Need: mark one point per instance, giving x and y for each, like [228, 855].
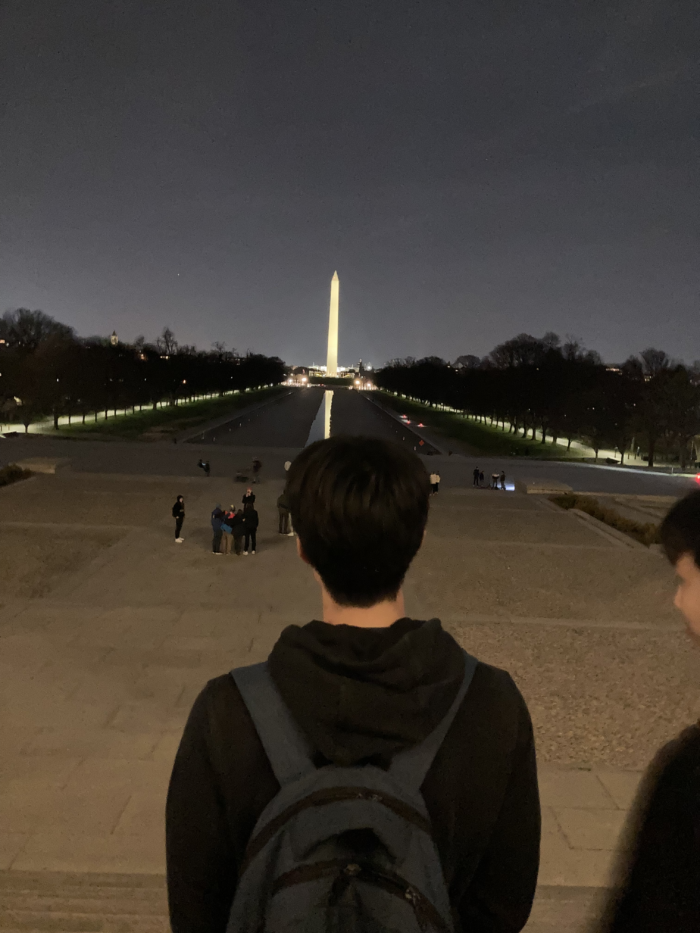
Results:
[332, 360]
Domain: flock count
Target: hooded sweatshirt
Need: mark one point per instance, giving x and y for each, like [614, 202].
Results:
[361, 695]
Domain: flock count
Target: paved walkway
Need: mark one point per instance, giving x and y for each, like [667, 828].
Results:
[109, 630]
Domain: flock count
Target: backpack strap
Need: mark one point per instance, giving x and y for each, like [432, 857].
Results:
[285, 745]
[411, 766]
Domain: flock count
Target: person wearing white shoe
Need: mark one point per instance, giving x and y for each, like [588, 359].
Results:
[178, 513]
[251, 528]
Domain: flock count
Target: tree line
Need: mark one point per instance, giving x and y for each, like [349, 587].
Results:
[649, 402]
[46, 370]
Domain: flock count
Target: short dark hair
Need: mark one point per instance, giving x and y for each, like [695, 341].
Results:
[680, 529]
[359, 506]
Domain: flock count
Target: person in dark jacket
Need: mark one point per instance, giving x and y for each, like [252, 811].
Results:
[179, 516]
[238, 524]
[363, 684]
[657, 888]
[248, 498]
[283, 512]
[251, 529]
[217, 517]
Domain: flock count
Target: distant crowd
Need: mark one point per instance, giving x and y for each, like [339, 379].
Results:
[234, 529]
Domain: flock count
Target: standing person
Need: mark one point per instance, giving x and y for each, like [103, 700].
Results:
[658, 884]
[396, 701]
[436, 482]
[283, 512]
[238, 530]
[481, 477]
[217, 517]
[257, 467]
[433, 483]
[248, 498]
[179, 516]
[503, 480]
[475, 474]
[251, 528]
[494, 480]
[227, 532]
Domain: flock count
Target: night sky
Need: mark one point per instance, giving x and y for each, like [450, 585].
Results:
[471, 169]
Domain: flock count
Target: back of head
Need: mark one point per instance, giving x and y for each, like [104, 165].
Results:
[680, 529]
[359, 506]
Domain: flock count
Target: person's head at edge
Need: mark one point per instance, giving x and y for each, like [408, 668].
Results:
[680, 539]
[359, 506]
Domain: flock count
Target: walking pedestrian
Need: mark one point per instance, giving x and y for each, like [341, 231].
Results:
[257, 467]
[238, 527]
[503, 480]
[481, 477]
[657, 887]
[179, 516]
[248, 498]
[433, 483]
[283, 512]
[475, 474]
[204, 465]
[329, 692]
[251, 528]
[217, 517]
[436, 482]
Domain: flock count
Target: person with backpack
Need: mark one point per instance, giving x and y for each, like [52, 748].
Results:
[657, 888]
[217, 517]
[227, 531]
[252, 521]
[178, 512]
[371, 774]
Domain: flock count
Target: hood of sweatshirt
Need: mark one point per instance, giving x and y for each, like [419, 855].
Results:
[362, 695]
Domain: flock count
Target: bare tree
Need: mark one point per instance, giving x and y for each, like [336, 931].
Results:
[166, 343]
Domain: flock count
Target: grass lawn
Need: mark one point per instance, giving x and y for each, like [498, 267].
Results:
[482, 438]
[164, 422]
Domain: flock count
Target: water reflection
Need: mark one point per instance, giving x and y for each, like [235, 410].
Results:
[327, 404]
[321, 426]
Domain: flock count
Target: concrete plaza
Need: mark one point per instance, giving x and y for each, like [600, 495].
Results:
[109, 629]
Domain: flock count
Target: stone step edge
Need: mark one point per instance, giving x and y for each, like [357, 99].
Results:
[81, 879]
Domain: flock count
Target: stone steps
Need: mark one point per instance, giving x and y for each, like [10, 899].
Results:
[62, 902]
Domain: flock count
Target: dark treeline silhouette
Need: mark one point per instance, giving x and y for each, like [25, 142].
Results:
[539, 384]
[46, 370]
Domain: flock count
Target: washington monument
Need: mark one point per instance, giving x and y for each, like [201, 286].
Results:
[332, 359]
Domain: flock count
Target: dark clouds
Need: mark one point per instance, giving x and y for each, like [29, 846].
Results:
[472, 169]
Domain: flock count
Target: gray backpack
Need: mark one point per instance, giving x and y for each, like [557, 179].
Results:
[339, 850]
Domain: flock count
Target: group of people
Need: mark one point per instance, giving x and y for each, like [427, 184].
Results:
[235, 529]
[498, 480]
[372, 774]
